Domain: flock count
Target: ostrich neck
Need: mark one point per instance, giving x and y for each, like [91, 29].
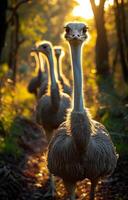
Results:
[58, 68]
[39, 66]
[37, 62]
[54, 90]
[52, 73]
[45, 67]
[77, 73]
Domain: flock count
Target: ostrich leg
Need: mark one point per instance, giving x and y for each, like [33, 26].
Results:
[52, 189]
[70, 187]
[92, 191]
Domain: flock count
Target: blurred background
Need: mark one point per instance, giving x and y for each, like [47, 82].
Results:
[105, 60]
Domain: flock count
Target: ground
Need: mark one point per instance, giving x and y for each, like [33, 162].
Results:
[27, 178]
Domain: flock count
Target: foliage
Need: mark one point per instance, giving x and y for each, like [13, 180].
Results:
[9, 145]
[44, 20]
[13, 102]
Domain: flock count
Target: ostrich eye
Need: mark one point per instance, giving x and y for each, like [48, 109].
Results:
[84, 29]
[45, 46]
[67, 29]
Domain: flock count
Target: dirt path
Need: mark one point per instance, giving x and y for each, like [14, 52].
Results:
[28, 179]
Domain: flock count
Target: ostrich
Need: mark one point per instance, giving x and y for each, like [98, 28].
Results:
[64, 82]
[36, 82]
[44, 83]
[81, 147]
[51, 108]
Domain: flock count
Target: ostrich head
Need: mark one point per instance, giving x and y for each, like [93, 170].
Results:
[76, 32]
[44, 47]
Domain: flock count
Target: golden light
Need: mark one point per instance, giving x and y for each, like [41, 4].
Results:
[84, 9]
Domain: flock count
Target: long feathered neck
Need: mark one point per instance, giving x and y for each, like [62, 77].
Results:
[52, 73]
[43, 64]
[59, 72]
[45, 67]
[77, 74]
[80, 121]
[54, 89]
[39, 66]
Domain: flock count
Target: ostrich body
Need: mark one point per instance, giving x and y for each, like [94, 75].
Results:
[63, 81]
[36, 82]
[51, 108]
[81, 147]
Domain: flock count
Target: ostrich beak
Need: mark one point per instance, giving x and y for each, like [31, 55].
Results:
[33, 49]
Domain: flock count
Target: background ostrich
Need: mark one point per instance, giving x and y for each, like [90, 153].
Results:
[82, 147]
[41, 77]
[44, 83]
[64, 82]
[52, 107]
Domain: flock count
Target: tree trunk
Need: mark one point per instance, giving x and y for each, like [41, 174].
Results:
[124, 23]
[13, 54]
[3, 24]
[102, 62]
[16, 47]
[15, 41]
[102, 59]
[122, 37]
[104, 78]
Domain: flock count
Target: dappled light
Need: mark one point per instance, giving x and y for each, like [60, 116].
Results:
[85, 11]
[63, 91]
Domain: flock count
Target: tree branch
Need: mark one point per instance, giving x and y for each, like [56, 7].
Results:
[94, 7]
[97, 8]
[101, 5]
[20, 3]
[13, 9]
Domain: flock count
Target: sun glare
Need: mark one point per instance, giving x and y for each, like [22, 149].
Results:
[84, 9]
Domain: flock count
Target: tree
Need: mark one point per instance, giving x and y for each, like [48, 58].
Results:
[44, 21]
[3, 24]
[15, 40]
[102, 59]
[120, 21]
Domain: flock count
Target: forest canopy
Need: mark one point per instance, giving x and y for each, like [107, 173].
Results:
[29, 73]
[105, 56]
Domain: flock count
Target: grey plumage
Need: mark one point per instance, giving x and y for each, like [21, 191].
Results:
[51, 108]
[44, 83]
[51, 111]
[62, 79]
[34, 84]
[65, 85]
[81, 148]
[43, 88]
